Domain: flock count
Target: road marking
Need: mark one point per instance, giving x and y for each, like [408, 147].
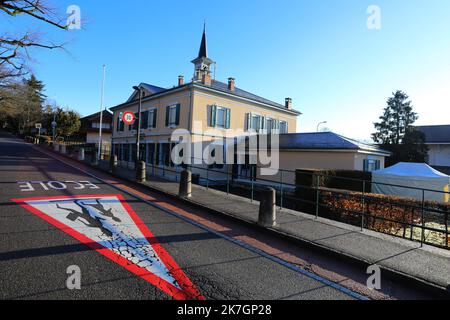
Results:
[108, 225]
[244, 245]
[31, 186]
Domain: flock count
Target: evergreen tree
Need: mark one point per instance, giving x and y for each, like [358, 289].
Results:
[395, 131]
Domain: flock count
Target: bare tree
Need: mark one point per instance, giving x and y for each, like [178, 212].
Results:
[14, 49]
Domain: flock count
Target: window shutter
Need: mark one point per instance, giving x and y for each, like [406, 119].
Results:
[249, 121]
[155, 115]
[228, 121]
[213, 120]
[177, 121]
[263, 124]
[366, 165]
[167, 115]
[118, 124]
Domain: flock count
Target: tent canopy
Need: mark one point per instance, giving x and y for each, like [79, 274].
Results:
[417, 170]
[406, 176]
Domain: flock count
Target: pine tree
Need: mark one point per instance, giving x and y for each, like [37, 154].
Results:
[395, 131]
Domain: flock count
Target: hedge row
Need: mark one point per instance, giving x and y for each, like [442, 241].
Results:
[334, 179]
[390, 215]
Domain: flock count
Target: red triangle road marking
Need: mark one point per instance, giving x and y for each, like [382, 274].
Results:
[108, 225]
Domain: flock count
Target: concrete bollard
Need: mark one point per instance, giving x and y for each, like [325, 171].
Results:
[63, 149]
[141, 172]
[267, 208]
[114, 162]
[185, 184]
[81, 155]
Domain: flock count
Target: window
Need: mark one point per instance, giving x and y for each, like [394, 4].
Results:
[151, 153]
[270, 125]
[96, 125]
[220, 117]
[283, 127]
[144, 123]
[254, 122]
[173, 115]
[152, 119]
[371, 165]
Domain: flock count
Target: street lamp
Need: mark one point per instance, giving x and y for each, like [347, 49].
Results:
[138, 138]
[318, 126]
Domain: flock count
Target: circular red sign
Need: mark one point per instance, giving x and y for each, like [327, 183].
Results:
[129, 118]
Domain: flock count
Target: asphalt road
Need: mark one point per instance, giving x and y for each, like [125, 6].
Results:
[36, 250]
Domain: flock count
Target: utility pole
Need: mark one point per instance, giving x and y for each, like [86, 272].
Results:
[101, 115]
[138, 138]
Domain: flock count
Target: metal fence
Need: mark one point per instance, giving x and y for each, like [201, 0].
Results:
[419, 220]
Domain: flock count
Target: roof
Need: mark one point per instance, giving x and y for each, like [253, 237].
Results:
[325, 141]
[406, 169]
[106, 115]
[149, 88]
[223, 87]
[203, 52]
[436, 134]
[215, 85]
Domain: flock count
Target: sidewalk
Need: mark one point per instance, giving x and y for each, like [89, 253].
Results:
[401, 258]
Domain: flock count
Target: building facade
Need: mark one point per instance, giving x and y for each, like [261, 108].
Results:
[437, 138]
[210, 110]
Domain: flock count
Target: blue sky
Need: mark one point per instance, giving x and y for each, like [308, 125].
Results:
[320, 53]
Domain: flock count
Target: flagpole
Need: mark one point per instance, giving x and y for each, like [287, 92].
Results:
[101, 115]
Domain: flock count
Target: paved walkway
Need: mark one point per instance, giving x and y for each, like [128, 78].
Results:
[427, 265]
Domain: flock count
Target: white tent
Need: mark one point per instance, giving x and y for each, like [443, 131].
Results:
[412, 175]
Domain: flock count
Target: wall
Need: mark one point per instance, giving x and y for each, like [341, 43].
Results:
[439, 155]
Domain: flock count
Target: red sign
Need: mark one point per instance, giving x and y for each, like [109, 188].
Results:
[129, 118]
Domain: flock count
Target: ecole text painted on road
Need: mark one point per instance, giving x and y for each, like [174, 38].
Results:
[32, 186]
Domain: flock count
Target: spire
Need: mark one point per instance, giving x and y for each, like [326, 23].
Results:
[203, 52]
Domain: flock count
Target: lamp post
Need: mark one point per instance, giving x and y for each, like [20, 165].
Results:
[138, 138]
[318, 126]
[100, 142]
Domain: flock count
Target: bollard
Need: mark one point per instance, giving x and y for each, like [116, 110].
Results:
[185, 184]
[94, 161]
[63, 149]
[141, 173]
[113, 163]
[55, 147]
[81, 155]
[267, 208]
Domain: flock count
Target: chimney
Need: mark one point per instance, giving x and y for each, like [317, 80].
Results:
[206, 79]
[288, 103]
[231, 84]
[180, 80]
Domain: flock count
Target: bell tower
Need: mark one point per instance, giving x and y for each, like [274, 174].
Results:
[202, 63]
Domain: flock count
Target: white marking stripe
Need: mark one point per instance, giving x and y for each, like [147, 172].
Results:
[106, 221]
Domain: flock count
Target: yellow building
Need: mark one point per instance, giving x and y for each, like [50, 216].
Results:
[207, 108]
[210, 111]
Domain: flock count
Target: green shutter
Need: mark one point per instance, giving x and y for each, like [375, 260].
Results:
[213, 116]
[228, 121]
[155, 115]
[167, 115]
[177, 121]
[249, 121]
